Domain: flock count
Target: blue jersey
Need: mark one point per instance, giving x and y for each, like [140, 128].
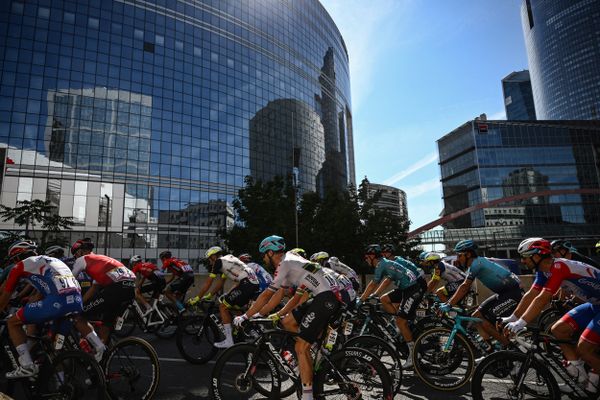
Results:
[401, 276]
[264, 278]
[410, 265]
[492, 275]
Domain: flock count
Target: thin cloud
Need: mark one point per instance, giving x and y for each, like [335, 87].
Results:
[422, 188]
[363, 25]
[429, 159]
[500, 115]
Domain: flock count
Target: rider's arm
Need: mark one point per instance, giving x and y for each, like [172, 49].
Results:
[4, 299]
[273, 302]
[207, 284]
[219, 285]
[368, 290]
[261, 301]
[435, 280]
[291, 304]
[461, 292]
[384, 284]
[90, 293]
[536, 307]
[526, 301]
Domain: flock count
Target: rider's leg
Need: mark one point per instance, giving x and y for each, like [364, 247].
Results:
[387, 305]
[305, 364]
[486, 329]
[564, 331]
[139, 297]
[19, 340]
[441, 294]
[86, 330]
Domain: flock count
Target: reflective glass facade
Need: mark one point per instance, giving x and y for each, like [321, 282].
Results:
[483, 161]
[518, 97]
[392, 199]
[563, 47]
[140, 119]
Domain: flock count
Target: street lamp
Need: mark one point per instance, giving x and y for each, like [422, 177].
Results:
[106, 226]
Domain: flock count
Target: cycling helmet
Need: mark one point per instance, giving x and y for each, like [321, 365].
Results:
[531, 246]
[134, 260]
[422, 255]
[273, 242]
[165, 254]
[433, 256]
[374, 249]
[55, 251]
[21, 247]
[319, 256]
[82, 244]
[212, 251]
[245, 258]
[465, 245]
[560, 243]
[388, 248]
[299, 251]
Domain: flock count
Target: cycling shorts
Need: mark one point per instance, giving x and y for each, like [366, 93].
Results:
[585, 315]
[355, 284]
[110, 302]
[500, 305]
[50, 308]
[156, 285]
[313, 315]
[182, 283]
[240, 295]
[408, 299]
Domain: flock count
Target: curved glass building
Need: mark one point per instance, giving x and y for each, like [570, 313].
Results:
[563, 47]
[141, 118]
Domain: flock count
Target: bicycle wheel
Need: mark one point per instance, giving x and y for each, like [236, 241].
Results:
[130, 322]
[352, 373]
[384, 353]
[132, 370]
[169, 328]
[72, 375]
[495, 378]
[440, 369]
[195, 338]
[232, 378]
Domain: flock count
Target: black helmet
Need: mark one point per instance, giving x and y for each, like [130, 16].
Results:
[165, 254]
[388, 248]
[82, 244]
[562, 244]
[373, 249]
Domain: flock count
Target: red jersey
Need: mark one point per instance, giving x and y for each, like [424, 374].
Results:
[146, 269]
[176, 266]
[102, 269]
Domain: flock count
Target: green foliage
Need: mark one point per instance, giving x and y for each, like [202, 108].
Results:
[341, 223]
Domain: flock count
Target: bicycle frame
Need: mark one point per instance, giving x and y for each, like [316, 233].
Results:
[458, 328]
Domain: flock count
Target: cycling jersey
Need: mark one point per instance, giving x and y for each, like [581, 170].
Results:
[493, 276]
[341, 268]
[176, 266]
[264, 278]
[233, 268]
[102, 269]
[344, 284]
[402, 277]
[146, 269]
[49, 276]
[581, 279]
[410, 266]
[295, 270]
[448, 272]
[575, 256]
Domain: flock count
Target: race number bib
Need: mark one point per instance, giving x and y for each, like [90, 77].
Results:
[65, 283]
[120, 274]
[187, 268]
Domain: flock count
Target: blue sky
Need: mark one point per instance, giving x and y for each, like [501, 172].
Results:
[419, 69]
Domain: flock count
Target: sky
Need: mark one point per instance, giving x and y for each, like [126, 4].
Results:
[418, 70]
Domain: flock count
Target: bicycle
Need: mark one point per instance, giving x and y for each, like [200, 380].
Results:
[444, 358]
[249, 368]
[162, 319]
[528, 374]
[63, 374]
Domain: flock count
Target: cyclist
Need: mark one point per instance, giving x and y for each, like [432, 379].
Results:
[59, 294]
[299, 251]
[311, 318]
[181, 280]
[564, 249]
[584, 281]
[334, 263]
[149, 271]
[387, 251]
[264, 278]
[505, 285]
[113, 288]
[211, 256]
[440, 269]
[56, 252]
[402, 301]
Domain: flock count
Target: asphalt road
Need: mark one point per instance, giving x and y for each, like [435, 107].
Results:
[183, 381]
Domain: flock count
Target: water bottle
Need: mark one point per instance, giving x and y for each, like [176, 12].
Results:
[59, 341]
[331, 338]
[348, 328]
[119, 323]
[85, 346]
[289, 359]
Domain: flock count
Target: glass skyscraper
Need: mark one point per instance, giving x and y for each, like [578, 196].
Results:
[563, 47]
[518, 97]
[141, 118]
[482, 161]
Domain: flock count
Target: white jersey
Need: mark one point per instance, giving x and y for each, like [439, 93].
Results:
[449, 273]
[264, 278]
[305, 275]
[344, 283]
[233, 268]
[341, 268]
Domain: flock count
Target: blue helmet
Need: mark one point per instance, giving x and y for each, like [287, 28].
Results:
[373, 249]
[465, 245]
[273, 242]
[422, 255]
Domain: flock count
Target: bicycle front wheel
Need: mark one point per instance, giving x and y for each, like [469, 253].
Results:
[352, 373]
[233, 378]
[72, 375]
[132, 370]
[439, 368]
[195, 338]
[496, 378]
[169, 328]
